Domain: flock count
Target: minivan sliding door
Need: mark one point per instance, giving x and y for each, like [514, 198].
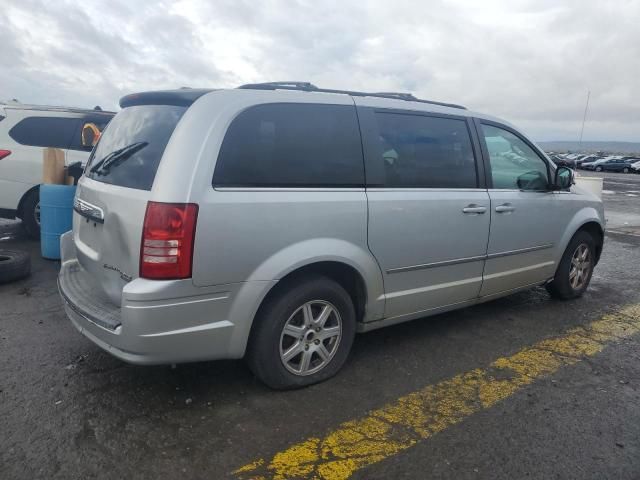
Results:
[428, 208]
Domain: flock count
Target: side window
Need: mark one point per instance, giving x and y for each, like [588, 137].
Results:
[292, 145]
[53, 132]
[514, 165]
[424, 152]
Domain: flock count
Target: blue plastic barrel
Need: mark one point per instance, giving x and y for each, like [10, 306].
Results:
[56, 213]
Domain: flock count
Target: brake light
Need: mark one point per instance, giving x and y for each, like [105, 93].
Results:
[166, 251]
[4, 153]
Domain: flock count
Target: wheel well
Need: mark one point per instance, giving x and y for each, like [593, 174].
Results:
[345, 275]
[595, 230]
[22, 200]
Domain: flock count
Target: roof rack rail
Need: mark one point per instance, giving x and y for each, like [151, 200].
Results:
[399, 95]
[284, 85]
[310, 87]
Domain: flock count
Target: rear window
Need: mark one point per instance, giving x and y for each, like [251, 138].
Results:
[292, 145]
[53, 132]
[130, 148]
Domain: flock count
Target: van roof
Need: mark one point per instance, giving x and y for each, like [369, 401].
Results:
[186, 96]
[52, 108]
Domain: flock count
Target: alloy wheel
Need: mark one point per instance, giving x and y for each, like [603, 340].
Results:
[310, 337]
[580, 266]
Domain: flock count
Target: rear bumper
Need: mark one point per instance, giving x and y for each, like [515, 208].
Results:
[158, 322]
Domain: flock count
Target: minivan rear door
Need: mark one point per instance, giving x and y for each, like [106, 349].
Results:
[428, 208]
[112, 195]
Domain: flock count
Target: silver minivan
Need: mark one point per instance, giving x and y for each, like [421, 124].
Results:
[274, 221]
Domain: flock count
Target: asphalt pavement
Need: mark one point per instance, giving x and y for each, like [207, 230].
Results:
[68, 410]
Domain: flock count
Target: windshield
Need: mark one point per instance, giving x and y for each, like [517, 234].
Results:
[130, 148]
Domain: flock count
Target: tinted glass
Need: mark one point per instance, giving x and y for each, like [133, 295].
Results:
[88, 132]
[514, 164]
[45, 131]
[427, 152]
[130, 148]
[292, 145]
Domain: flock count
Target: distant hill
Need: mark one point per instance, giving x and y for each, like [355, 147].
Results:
[589, 147]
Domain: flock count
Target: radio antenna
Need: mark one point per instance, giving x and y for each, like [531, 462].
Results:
[584, 117]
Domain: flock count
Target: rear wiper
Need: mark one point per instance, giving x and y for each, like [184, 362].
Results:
[117, 156]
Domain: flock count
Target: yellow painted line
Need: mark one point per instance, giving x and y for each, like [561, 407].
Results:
[413, 418]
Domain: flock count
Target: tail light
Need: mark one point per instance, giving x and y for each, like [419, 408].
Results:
[166, 252]
[4, 153]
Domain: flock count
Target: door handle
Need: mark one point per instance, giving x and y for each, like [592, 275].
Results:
[505, 208]
[473, 208]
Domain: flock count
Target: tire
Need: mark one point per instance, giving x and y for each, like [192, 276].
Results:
[286, 308]
[561, 286]
[14, 265]
[625, 170]
[31, 214]
[598, 169]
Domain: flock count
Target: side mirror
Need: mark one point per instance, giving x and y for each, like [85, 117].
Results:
[564, 178]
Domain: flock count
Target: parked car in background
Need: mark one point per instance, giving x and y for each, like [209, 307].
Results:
[635, 167]
[615, 165]
[25, 130]
[587, 159]
[594, 164]
[275, 220]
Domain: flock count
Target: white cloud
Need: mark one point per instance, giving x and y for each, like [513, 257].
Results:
[530, 62]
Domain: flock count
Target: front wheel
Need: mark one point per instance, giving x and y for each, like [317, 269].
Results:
[303, 334]
[625, 170]
[575, 269]
[598, 169]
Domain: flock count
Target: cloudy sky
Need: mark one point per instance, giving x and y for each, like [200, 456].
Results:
[530, 62]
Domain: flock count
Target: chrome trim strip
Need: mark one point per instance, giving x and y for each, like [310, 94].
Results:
[424, 189]
[518, 270]
[520, 250]
[457, 261]
[430, 288]
[444, 263]
[88, 210]
[288, 189]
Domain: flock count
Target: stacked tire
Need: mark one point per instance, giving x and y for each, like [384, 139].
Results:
[14, 265]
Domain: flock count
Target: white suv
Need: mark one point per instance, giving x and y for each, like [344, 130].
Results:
[25, 130]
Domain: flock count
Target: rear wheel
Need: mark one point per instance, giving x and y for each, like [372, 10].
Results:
[575, 269]
[31, 214]
[303, 334]
[625, 170]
